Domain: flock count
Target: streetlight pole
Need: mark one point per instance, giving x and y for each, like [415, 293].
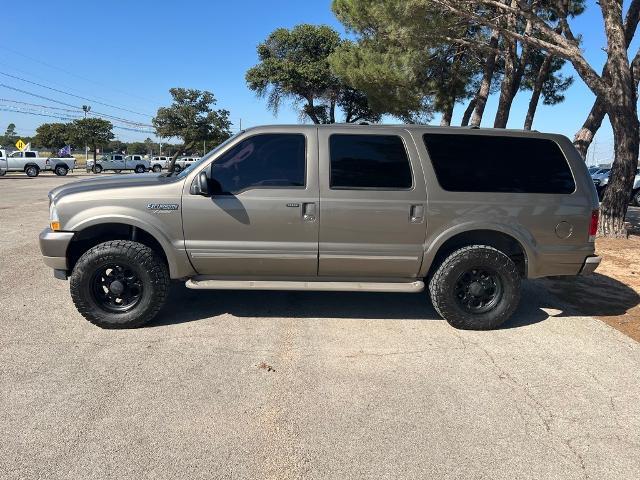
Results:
[86, 109]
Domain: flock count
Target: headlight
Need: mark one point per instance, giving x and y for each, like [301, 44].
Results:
[54, 220]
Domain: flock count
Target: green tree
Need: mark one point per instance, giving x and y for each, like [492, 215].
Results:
[53, 135]
[294, 65]
[116, 146]
[10, 135]
[544, 78]
[94, 132]
[149, 145]
[137, 148]
[191, 117]
[402, 60]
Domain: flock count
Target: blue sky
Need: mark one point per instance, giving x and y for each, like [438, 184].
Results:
[129, 53]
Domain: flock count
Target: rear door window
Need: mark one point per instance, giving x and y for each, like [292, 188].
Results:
[369, 162]
[486, 163]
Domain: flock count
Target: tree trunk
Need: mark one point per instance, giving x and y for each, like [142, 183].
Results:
[509, 78]
[94, 154]
[172, 165]
[447, 113]
[487, 76]
[583, 138]
[469, 110]
[614, 206]
[543, 73]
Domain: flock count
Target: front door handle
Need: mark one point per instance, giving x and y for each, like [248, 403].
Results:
[416, 213]
[309, 212]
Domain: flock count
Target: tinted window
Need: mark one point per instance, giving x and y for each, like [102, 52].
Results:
[30, 154]
[482, 163]
[269, 160]
[369, 161]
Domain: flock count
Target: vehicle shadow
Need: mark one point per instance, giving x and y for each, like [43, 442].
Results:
[593, 295]
[186, 305]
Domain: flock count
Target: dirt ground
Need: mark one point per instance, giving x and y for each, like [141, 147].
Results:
[613, 293]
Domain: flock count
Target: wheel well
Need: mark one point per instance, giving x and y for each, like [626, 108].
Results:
[492, 238]
[92, 236]
[31, 165]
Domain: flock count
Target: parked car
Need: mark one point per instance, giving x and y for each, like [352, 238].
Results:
[183, 163]
[31, 163]
[160, 163]
[333, 207]
[635, 193]
[3, 163]
[119, 162]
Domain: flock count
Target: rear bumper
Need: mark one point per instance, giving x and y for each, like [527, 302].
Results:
[590, 264]
[53, 246]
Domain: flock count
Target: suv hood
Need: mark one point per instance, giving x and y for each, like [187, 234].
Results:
[102, 183]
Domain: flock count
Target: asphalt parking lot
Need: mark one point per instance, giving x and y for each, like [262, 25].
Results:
[300, 385]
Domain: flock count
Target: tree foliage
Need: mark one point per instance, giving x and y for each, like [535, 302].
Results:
[94, 132]
[54, 135]
[191, 117]
[294, 65]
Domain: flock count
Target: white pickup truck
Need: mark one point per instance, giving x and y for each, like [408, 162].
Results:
[184, 162]
[3, 163]
[118, 162]
[32, 164]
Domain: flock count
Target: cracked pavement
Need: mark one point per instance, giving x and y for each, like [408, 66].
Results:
[360, 386]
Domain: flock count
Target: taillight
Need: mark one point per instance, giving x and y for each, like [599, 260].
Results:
[593, 226]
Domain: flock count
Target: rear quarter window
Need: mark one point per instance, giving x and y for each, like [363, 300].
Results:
[486, 163]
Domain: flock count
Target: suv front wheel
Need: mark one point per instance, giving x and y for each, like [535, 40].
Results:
[119, 284]
[476, 288]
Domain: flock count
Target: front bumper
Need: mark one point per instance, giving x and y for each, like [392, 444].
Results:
[53, 246]
[590, 265]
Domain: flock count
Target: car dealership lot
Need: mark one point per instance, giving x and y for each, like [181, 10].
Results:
[300, 385]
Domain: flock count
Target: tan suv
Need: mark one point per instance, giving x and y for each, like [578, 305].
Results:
[468, 212]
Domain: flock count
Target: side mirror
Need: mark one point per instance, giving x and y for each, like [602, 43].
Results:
[200, 185]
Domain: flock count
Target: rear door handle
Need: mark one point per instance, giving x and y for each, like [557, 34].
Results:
[309, 212]
[416, 213]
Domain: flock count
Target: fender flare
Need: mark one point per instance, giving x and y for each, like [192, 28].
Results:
[171, 254]
[433, 244]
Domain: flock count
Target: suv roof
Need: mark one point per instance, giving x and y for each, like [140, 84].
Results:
[409, 126]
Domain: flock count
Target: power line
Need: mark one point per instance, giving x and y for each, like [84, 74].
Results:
[74, 95]
[124, 120]
[56, 67]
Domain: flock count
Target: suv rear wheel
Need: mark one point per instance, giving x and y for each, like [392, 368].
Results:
[119, 284]
[476, 288]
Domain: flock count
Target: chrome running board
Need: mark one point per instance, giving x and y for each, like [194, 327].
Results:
[196, 284]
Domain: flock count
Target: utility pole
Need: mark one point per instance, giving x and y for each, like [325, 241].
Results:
[86, 109]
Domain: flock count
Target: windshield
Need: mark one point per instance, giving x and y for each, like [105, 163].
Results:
[206, 157]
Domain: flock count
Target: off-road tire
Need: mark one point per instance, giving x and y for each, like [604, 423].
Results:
[443, 283]
[139, 169]
[97, 169]
[32, 171]
[148, 266]
[61, 171]
[156, 169]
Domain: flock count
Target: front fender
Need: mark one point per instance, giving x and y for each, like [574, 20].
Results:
[179, 265]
